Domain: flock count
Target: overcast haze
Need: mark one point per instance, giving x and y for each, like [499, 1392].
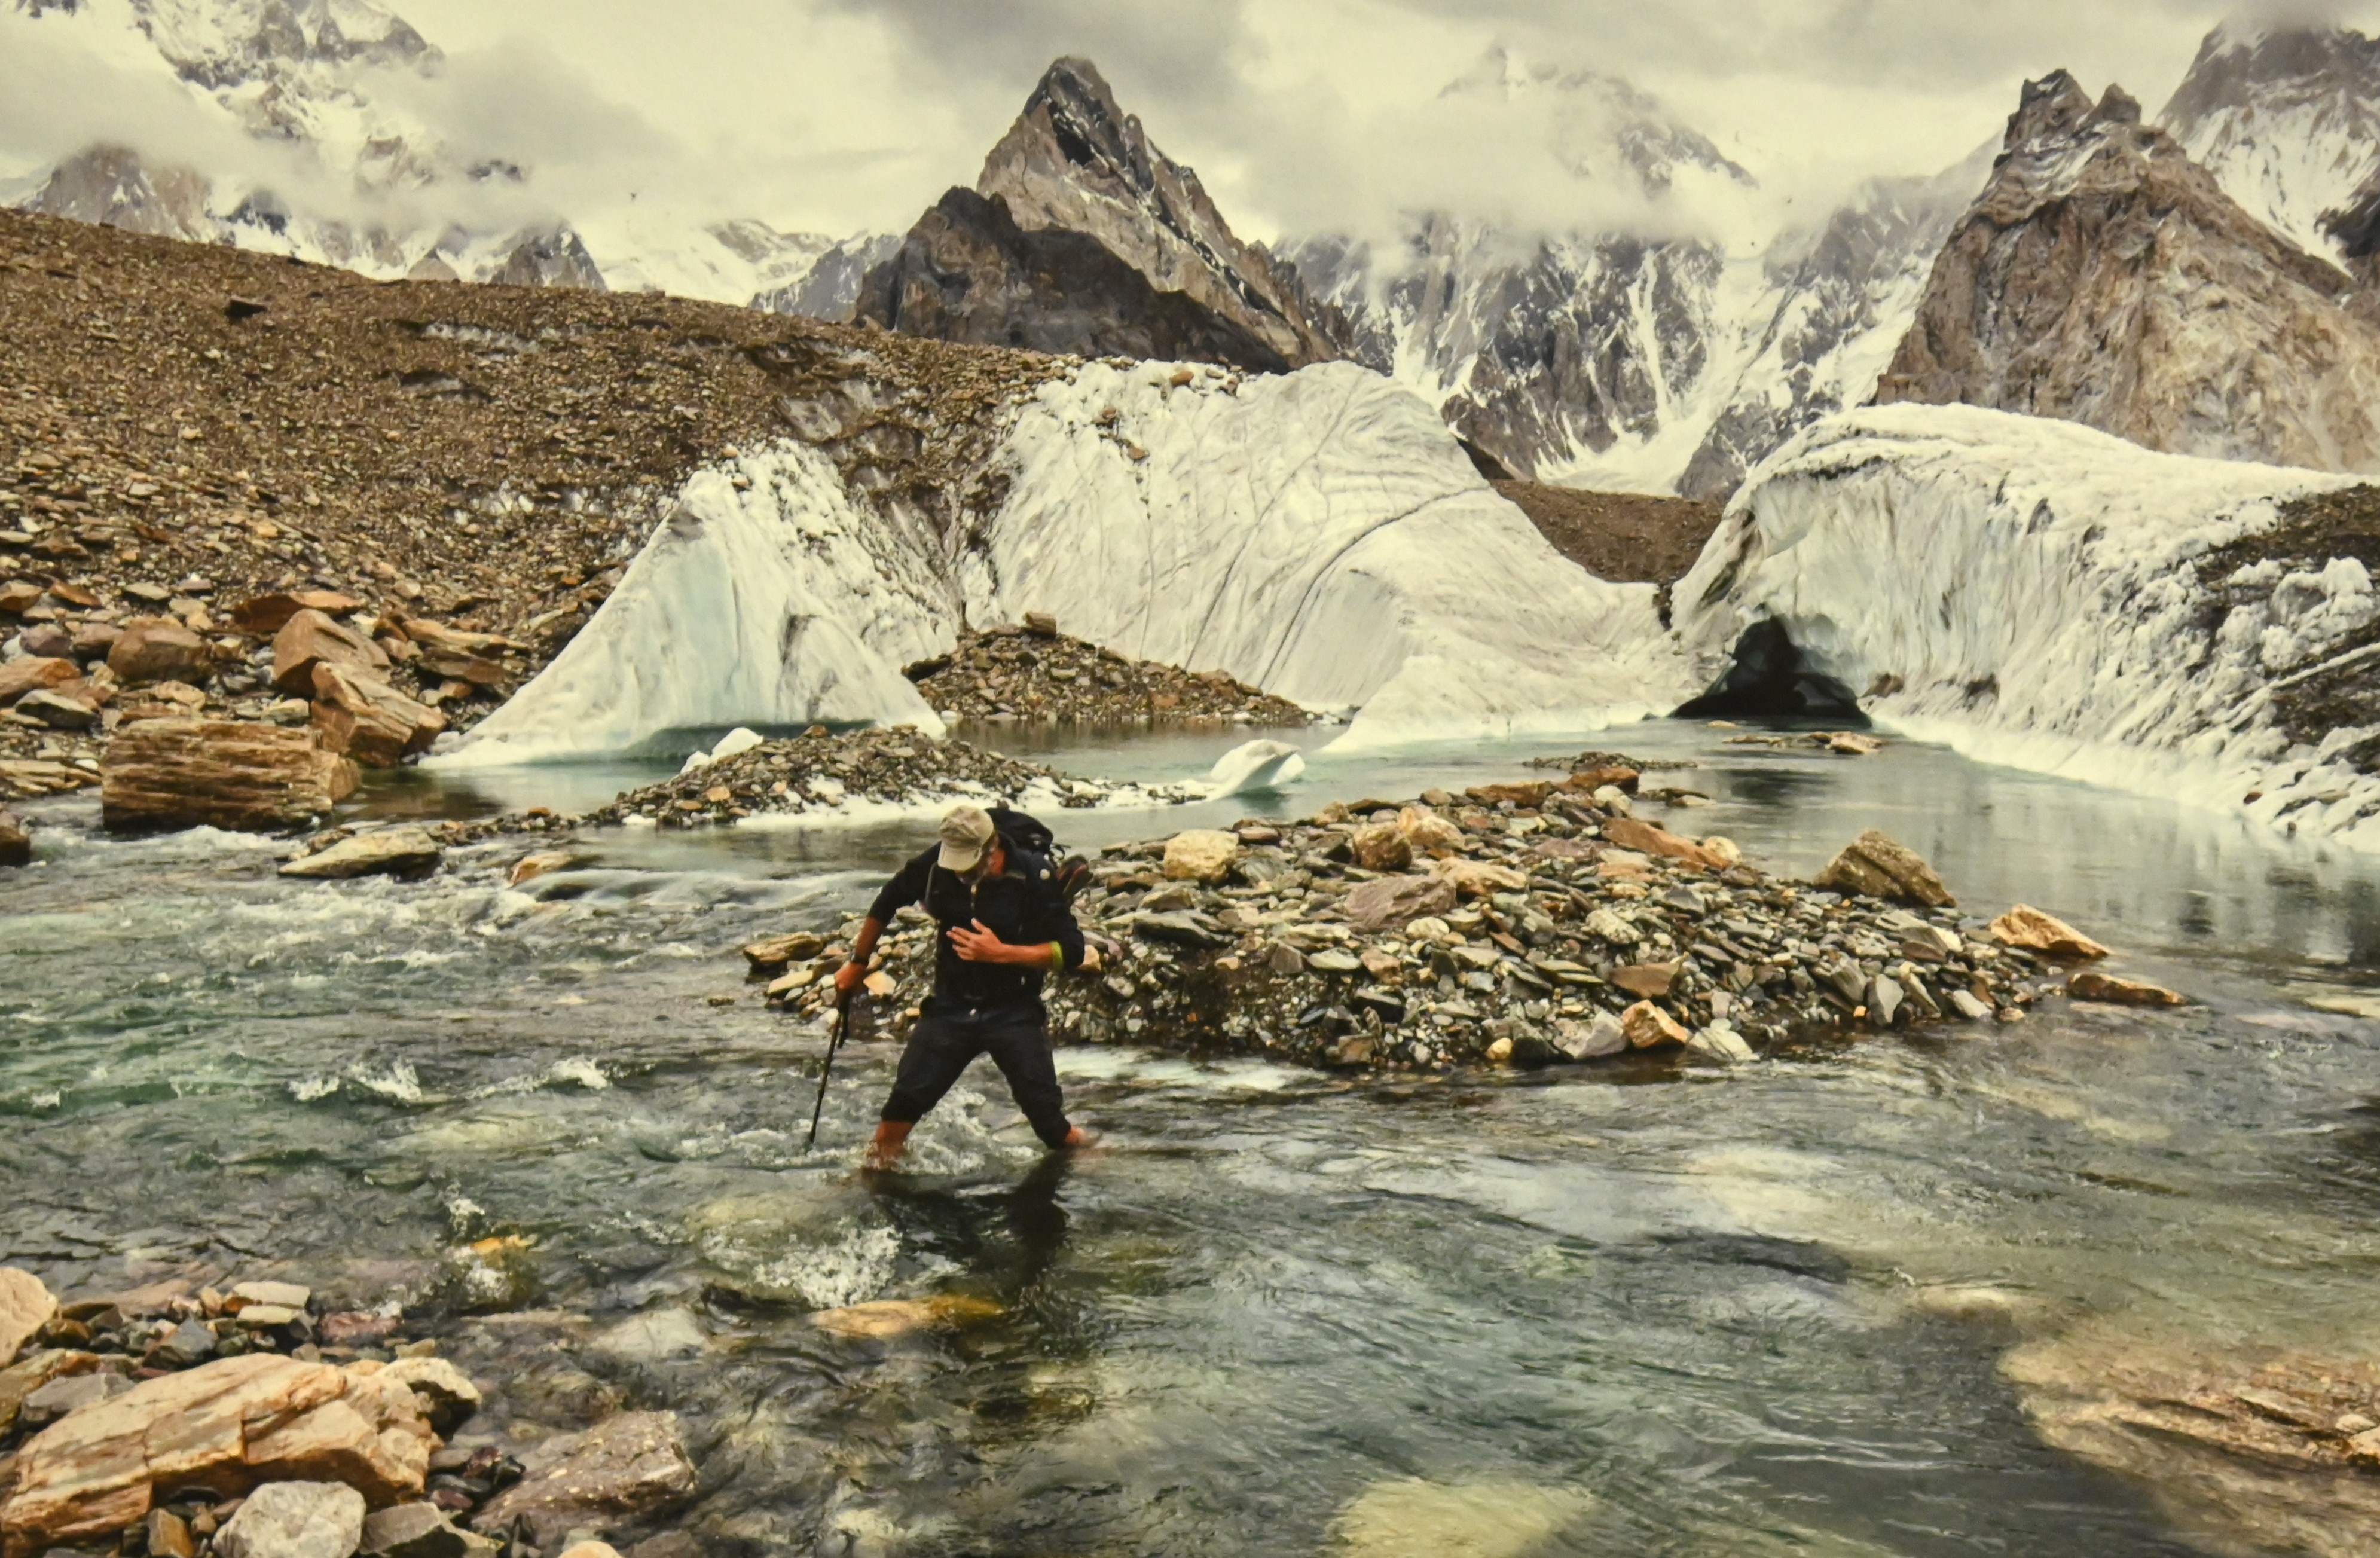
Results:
[836, 116]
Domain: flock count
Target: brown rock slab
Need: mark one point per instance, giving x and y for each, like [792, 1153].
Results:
[1391, 903]
[1874, 866]
[2027, 926]
[158, 649]
[407, 852]
[627, 1465]
[1644, 838]
[365, 717]
[309, 639]
[228, 1426]
[887, 1318]
[62, 708]
[25, 1306]
[1648, 980]
[1477, 879]
[267, 614]
[770, 954]
[1532, 792]
[183, 773]
[2088, 984]
[34, 673]
[1648, 1026]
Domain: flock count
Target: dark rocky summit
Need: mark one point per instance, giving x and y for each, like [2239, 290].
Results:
[2105, 278]
[1080, 236]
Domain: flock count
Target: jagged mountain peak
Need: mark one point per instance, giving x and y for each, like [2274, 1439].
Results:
[2286, 118]
[226, 42]
[1602, 124]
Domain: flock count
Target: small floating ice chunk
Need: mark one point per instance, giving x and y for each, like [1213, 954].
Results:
[1253, 766]
[743, 738]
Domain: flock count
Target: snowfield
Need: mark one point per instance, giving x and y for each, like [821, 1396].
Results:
[2025, 591]
[1319, 534]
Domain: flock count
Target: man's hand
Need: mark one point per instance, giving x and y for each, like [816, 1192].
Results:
[847, 977]
[979, 945]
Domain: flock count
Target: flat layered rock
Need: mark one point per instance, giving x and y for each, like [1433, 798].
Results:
[2030, 927]
[407, 852]
[309, 639]
[227, 1427]
[363, 716]
[1875, 866]
[2090, 985]
[183, 773]
[158, 649]
[25, 1306]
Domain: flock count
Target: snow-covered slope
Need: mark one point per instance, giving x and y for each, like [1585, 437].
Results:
[1317, 534]
[1602, 357]
[2036, 593]
[2287, 120]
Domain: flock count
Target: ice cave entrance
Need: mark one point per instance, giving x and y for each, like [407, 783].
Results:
[1769, 678]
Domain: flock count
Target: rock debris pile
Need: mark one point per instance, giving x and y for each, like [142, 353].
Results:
[255, 1421]
[1524, 924]
[1030, 672]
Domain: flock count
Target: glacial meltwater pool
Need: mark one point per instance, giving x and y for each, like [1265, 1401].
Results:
[1749, 1312]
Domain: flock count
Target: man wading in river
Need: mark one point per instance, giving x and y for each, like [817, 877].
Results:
[1005, 926]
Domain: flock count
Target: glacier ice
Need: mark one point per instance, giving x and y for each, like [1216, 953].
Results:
[765, 598]
[1319, 534]
[1255, 766]
[2027, 591]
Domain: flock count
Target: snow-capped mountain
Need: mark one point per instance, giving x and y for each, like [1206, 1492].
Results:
[2105, 278]
[2287, 120]
[357, 181]
[1081, 236]
[1609, 359]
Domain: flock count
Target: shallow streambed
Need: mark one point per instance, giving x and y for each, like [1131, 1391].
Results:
[1719, 1312]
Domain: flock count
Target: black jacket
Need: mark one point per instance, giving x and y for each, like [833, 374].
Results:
[1021, 905]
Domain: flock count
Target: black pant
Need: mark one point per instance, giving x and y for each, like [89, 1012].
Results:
[946, 1043]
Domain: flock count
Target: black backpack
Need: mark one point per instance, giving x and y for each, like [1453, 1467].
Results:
[1021, 832]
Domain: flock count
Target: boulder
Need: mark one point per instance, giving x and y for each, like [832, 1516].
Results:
[1648, 1026]
[95, 641]
[15, 849]
[293, 1520]
[1723, 851]
[1381, 847]
[1201, 854]
[770, 954]
[420, 1530]
[1589, 1040]
[309, 639]
[1477, 879]
[267, 614]
[158, 649]
[545, 862]
[2029, 928]
[25, 1306]
[60, 708]
[626, 1466]
[1427, 833]
[1391, 903]
[1529, 793]
[33, 672]
[225, 1428]
[1720, 1041]
[1644, 838]
[362, 715]
[2090, 985]
[183, 773]
[1875, 866]
[405, 852]
[446, 1393]
[1647, 981]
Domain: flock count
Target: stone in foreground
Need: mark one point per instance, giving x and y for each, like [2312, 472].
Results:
[1394, 901]
[628, 1465]
[295, 1520]
[405, 852]
[1875, 866]
[2029, 928]
[1648, 1026]
[1201, 854]
[2090, 985]
[187, 773]
[25, 1306]
[229, 1426]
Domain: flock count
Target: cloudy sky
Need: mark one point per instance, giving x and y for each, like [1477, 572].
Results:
[837, 115]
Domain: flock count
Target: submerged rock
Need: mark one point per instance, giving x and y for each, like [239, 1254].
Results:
[2090, 985]
[628, 1465]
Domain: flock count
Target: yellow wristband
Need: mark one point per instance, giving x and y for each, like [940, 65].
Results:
[1057, 957]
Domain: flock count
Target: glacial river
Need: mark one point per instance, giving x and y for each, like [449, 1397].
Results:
[1723, 1312]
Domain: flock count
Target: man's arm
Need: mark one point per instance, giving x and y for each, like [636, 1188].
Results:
[907, 886]
[1059, 942]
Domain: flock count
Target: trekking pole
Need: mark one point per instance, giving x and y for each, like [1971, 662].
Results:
[841, 1023]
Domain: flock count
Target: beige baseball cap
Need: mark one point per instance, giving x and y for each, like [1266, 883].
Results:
[966, 833]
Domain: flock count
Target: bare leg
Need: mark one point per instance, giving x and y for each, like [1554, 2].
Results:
[891, 1137]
